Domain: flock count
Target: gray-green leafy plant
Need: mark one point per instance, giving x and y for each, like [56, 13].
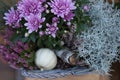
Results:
[101, 42]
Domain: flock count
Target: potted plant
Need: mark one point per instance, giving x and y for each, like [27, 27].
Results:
[58, 38]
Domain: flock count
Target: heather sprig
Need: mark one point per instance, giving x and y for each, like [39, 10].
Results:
[17, 54]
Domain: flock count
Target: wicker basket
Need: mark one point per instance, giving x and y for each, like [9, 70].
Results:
[76, 73]
[56, 73]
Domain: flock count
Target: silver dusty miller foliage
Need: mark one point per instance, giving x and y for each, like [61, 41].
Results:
[100, 42]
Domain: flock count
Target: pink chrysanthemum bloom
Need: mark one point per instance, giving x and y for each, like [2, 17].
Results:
[34, 22]
[12, 18]
[62, 7]
[55, 20]
[51, 29]
[26, 7]
[69, 16]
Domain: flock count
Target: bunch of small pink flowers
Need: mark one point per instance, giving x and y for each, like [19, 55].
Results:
[18, 54]
[43, 22]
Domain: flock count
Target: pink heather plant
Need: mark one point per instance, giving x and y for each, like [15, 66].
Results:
[26, 7]
[51, 29]
[12, 18]
[12, 54]
[34, 22]
[62, 8]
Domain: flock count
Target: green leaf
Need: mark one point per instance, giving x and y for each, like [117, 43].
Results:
[32, 58]
[39, 42]
[118, 5]
[14, 37]
[33, 38]
[24, 40]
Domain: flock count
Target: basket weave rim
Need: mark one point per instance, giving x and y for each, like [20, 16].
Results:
[56, 73]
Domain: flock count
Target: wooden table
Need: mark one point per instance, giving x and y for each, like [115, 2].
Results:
[92, 76]
[116, 1]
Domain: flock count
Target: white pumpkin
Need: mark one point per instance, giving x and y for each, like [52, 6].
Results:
[45, 59]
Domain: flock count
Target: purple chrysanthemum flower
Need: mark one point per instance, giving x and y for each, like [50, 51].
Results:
[13, 18]
[62, 7]
[51, 29]
[55, 20]
[41, 33]
[26, 7]
[69, 16]
[34, 22]
[42, 1]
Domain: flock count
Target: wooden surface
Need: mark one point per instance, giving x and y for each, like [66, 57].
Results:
[6, 73]
[116, 1]
[115, 73]
[81, 77]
